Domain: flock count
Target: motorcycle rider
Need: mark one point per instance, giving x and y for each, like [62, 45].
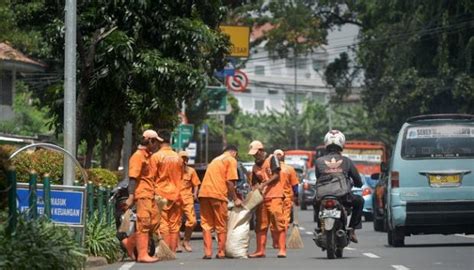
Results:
[334, 162]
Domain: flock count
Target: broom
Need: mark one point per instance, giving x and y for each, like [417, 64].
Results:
[295, 241]
[163, 252]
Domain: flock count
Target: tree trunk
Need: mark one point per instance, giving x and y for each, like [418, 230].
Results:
[112, 150]
[89, 153]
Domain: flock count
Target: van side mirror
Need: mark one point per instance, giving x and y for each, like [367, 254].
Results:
[375, 176]
[383, 167]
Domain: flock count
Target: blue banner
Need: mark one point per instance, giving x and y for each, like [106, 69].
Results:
[66, 206]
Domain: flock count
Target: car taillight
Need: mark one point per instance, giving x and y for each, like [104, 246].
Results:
[306, 186]
[329, 204]
[366, 191]
[395, 179]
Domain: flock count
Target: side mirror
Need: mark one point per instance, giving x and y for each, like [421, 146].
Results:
[383, 167]
[375, 176]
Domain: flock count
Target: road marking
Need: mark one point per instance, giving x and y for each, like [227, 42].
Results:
[302, 228]
[371, 255]
[400, 267]
[463, 235]
[127, 266]
[349, 248]
[309, 233]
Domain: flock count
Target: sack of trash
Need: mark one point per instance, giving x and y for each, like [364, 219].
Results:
[254, 198]
[238, 233]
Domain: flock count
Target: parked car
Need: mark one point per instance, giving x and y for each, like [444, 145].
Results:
[307, 189]
[430, 188]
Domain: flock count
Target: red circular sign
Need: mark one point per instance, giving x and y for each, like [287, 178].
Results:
[238, 82]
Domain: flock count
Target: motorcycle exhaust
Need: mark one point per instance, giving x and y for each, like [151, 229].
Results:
[341, 238]
[319, 239]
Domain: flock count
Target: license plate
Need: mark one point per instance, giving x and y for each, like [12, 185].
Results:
[445, 180]
[333, 213]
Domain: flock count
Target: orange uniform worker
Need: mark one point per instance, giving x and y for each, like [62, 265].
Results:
[266, 177]
[216, 187]
[141, 192]
[290, 188]
[189, 192]
[167, 168]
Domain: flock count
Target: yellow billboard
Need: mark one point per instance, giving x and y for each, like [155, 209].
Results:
[240, 38]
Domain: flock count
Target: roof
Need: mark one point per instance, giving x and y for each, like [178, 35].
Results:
[8, 53]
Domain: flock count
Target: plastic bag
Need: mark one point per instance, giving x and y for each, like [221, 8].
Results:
[238, 233]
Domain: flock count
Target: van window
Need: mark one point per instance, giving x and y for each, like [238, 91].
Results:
[438, 141]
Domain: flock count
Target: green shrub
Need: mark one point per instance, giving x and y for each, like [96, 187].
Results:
[101, 240]
[39, 244]
[102, 176]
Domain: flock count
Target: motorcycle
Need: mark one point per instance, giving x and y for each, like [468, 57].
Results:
[119, 197]
[332, 234]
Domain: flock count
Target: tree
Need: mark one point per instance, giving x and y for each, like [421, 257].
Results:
[416, 57]
[137, 62]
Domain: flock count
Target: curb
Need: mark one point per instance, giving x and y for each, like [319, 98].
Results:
[93, 262]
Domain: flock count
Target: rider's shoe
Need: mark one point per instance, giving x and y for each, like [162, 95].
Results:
[353, 237]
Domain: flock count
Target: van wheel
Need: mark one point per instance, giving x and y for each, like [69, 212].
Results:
[396, 237]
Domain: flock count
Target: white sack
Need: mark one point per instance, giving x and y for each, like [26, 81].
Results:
[238, 233]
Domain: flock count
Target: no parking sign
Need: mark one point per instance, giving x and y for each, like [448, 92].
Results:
[238, 82]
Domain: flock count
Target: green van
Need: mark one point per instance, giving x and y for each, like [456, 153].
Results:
[431, 178]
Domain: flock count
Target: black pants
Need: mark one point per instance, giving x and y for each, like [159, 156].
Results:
[351, 200]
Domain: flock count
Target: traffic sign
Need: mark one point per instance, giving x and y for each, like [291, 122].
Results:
[66, 206]
[238, 82]
[182, 136]
[239, 38]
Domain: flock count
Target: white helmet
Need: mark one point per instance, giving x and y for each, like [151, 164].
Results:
[334, 137]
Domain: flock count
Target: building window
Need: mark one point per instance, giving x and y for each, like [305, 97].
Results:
[272, 92]
[6, 88]
[260, 70]
[301, 62]
[318, 64]
[259, 105]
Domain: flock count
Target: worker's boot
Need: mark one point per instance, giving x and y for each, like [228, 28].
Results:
[261, 242]
[178, 246]
[207, 240]
[275, 239]
[221, 238]
[187, 237]
[282, 244]
[129, 243]
[142, 247]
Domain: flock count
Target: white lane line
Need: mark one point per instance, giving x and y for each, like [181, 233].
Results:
[127, 266]
[349, 248]
[400, 267]
[463, 235]
[371, 255]
[309, 233]
[302, 228]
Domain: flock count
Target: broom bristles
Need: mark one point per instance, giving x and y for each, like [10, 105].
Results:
[163, 252]
[295, 241]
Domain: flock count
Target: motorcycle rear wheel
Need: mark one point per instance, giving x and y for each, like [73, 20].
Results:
[339, 252]
[331, 244]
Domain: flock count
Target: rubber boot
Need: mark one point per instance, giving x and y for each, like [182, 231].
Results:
[187, 237]
[130, 243]
[282, 244]
[275, 239]
[207, 240]
[178, 246]
[174, 240]
[261, 243]
[221, 238]
[142, 247]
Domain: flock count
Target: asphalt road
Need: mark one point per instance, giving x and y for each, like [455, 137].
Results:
[372, 252]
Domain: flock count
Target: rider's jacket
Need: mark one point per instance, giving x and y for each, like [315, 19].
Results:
[334, 162]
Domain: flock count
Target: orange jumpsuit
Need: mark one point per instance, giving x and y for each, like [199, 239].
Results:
[213, 200]
[290, 179]
[190, 181]
[271, 211]
[147, 210]
[167, 167]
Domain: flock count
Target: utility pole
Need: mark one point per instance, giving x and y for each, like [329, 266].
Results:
[296, 99]
[70, 91]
